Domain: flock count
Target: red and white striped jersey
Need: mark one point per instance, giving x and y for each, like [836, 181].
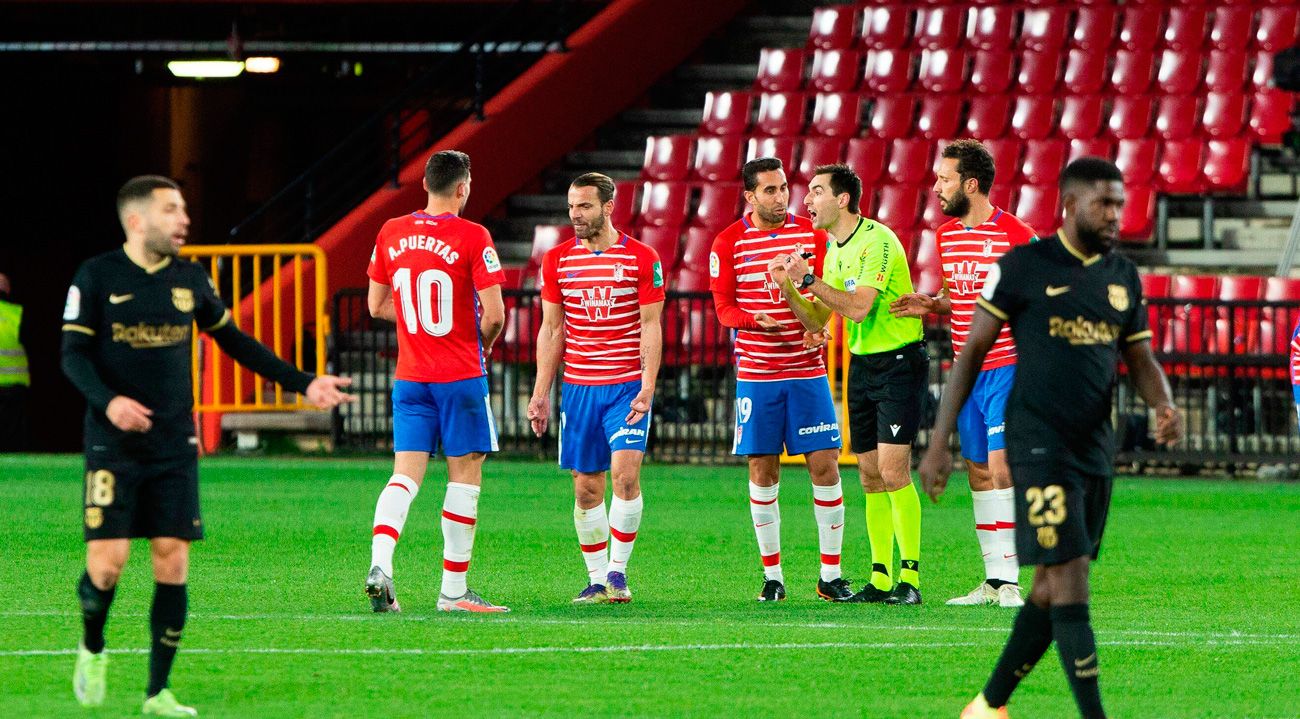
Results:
[1295, 355]
[743, 288]
[602, 294]
[966, 254]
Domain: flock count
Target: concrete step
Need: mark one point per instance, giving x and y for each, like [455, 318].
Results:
[537, 204]
[741, 75]
[663, 117]
[609, 159]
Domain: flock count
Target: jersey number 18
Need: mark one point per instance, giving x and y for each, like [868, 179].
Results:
[432, 294]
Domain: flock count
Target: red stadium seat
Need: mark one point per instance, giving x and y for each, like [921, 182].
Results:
[888, 71]
[1155, 286]
[1096, 147]
[1277, 28]
[1232, 26]
[1133, 72]
[544, 238]
[866, 155]
[782, 148]
[1039, 71]
[1226, 71]
[1281, 289]
[1081, 116]
[932, 214]
[1139, 218]
[1141, 26]
[1186, 28]
[1044, 28]
[1227, 164]
[665, 204]
[1002, 194]
[1034, 117]
[910, 161]
[1237, 288]
[718, 158]
[836, 114]
[927, 270]
[988, 116]
[1131, 116]
[1191, 326]
[514, 276]
[1261, 74]
[780, 113]
[1237, 328]
[698, 244]
[1225, 114]
[798, 191]
[942, 70]
[1040, 207]
[885, 27]
[780, 70]
[1043, 161]
[991, 27]
[1085, 71]
[1136, 158]
[817, 151]
[1180, 71]
[835, 71]
[833, 27]
[1006, 160]
[663, 240]
[892, 116]
[1180, 167]
[719, 205]
[690, 279]
[1270, 114]
[899, 206]
[1177, 116]
[625, 203]
[667, 157]
[938, 116]
[939, 27]
[726, 113]
[991, 72]
[1278, 323]
[1094, 28]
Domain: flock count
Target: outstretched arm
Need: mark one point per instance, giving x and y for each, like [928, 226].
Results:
[324, 391]
[1153, 385]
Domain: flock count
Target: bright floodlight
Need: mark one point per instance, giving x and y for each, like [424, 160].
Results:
[262, 64]
[205, 68]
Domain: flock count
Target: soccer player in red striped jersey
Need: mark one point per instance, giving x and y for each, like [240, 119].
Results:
[439, 278]
[602, 297]
[783, 398]
[1295, 367]
[969, 244]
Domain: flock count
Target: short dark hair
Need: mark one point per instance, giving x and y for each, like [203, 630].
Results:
[973, 161]
[141, 188]
[444, 170]
[1087, 170]
[843, 179]
[604, 185]
[751, 169]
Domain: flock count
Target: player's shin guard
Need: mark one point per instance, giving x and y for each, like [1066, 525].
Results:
[907, 527]
[166, 622]
[1077, 646]
[94, 611]
[880, 533]
[459, 515]
[995, 525]
[593, 539]
[766, 512]
[624, 521]
[390, 516]
[828, 509]
[1031, 635]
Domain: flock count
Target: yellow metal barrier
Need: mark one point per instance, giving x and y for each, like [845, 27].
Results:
[837, 371]
[285, 263]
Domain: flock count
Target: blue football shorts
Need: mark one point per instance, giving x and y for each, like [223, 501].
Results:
[455, 417]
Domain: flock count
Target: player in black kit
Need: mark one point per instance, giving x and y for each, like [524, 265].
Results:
[126, 347]
[1073, 307]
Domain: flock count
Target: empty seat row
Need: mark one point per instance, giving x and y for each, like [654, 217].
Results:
[1031, 72]
[1204, 328]
[1268, 27]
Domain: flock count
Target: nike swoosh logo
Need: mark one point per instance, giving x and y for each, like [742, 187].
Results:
[836, 526]
[1054, 291]
[119, 299]
[1009, 556]
[1081, 663]
[764, 524]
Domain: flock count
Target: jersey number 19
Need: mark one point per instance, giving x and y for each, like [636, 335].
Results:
[432, 294]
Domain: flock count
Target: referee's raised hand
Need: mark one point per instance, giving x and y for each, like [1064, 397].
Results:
[324, 392]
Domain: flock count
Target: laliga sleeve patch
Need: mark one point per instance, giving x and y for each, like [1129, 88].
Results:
[72, 308]
[490, 260]
[715, 265]
[991, 282]
[658, 274]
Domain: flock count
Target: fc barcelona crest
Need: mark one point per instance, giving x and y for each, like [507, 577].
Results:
[1118, 296]
[183, 298]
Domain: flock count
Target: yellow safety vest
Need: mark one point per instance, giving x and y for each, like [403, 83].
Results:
[13, 359]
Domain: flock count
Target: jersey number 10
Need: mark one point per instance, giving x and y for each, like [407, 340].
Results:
[432, 294]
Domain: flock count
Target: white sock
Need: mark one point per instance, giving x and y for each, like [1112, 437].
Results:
[1008, 569]
[986, 528]
[828, 508]
[593, 540]
[390, 516]
[765, 510]
[624, 521]
[459, 516]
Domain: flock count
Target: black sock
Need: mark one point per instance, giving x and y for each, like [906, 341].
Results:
[1031, 635]
[1078, 649]
[997, 583]
[94, 611]
[166, 620]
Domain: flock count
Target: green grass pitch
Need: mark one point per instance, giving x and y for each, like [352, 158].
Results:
[1196, 604]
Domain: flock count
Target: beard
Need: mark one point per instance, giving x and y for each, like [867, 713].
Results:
[771, 217]
[160, 243]
[958, 206]
[1094, 242]
[593, 228]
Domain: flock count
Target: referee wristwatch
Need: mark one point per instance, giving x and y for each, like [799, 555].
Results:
[808, 279]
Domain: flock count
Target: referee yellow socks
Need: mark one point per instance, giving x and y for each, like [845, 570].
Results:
[906, 506]
[880, 532]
